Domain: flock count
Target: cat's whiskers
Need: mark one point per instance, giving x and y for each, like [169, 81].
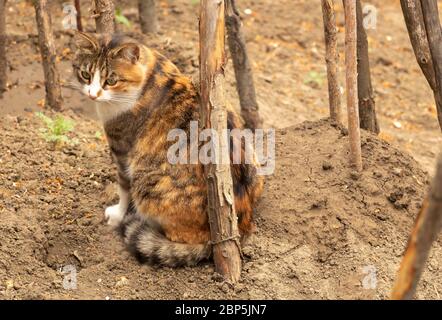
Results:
[125, 96]
[123, 101]
[129, 98]
[72, 85]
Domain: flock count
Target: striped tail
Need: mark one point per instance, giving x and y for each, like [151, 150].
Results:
[145, 239]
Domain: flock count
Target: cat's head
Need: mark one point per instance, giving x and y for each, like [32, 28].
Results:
[109, 69]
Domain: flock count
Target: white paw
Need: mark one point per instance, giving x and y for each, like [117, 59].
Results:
[114, 215]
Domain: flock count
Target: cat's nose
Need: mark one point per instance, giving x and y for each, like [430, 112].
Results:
[94, 94]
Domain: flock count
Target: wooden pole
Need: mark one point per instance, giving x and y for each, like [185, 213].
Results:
[352, 81]
[48, 55]
[104, 12]
[425, 231]
[148, 16]
[222, 216]
[332, 59]
[78, 9]
[414, 21]
[433, 28]
[367, 105]
[242, 67]
[3, 43]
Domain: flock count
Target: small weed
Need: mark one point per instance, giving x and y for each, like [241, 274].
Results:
[98, 135]
[56, 129]
[121, 18]
[315, 79]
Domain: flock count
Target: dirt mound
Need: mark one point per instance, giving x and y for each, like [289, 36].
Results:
[323, 230]
[334, 232]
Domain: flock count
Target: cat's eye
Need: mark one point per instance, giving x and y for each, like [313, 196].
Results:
[111, 82]
[85, 75]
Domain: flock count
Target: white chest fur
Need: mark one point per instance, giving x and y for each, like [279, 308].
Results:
[108, 110]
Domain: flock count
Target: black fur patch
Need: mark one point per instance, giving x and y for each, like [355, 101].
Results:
[146, 225]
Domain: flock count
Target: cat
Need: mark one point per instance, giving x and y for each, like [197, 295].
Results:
[140, 96]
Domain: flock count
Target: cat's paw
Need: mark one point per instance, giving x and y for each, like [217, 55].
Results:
[114, 215]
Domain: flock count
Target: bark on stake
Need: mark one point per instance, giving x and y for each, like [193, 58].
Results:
[332, 59]
[54, 98]
[367, 105]
[222, 216]
[104, 14]
[242, 67]
[352, 84]
[434, 35]
[3, 43]
[148, 16]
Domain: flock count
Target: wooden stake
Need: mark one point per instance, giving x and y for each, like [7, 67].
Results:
[352, 80]
[367, 105]
[3, 43]
[242, 67]
[425, 231]
[148, 16]
[414, 21]
[222, 216]
[332, 59]
[78, 9]
[434, 35]
[48, 55]
[104, 12]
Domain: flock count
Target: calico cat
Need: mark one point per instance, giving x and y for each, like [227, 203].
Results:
[141, 96]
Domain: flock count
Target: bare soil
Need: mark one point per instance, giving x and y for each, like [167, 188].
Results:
[324, 231]
[321, 227]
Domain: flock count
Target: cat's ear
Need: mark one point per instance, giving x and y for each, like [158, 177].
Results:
[127, 51]
[86, 42]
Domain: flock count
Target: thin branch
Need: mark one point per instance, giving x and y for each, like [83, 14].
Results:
[243, 69]
[3, 43]
[434, 35]
[367, 105]
[425, 232]
[148, 16]
[352, 80]
[48, 55]
[332, 58]
[78, 9]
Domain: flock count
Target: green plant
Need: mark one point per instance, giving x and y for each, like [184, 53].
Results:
[121, 18]
[98, 135]
[315, 78]
[56, 129]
